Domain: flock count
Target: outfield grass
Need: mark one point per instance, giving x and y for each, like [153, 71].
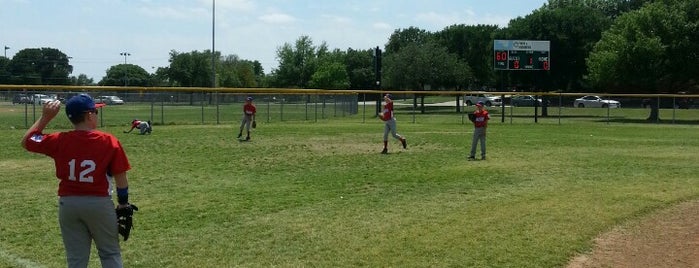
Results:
[319, 194]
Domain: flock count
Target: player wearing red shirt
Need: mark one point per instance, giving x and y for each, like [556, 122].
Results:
[83, 158]
[389, 124]
[144, 127]
[480, 123]
[249, 111]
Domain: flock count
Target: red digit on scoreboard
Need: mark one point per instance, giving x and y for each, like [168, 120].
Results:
[546, 65]
[516, 64]
[501, 56]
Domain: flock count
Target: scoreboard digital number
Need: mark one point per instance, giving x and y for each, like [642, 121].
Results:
[521, 55]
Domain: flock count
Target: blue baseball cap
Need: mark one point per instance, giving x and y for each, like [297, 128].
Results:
[388, 95]
[79, 104]
[480, 103]
[249, 98]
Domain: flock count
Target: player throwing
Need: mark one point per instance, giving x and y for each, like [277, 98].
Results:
[83, 157]
[389, 124]
[249, 111]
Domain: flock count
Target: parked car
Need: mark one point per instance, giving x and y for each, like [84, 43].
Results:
[595, 102]
[487, 99]
[525, 100]
[39, 99]
[109, 100]
[21, 99]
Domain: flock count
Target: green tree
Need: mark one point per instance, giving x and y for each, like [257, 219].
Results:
[331, 71]
[4, 70]
[360, 70]
[297, 63]
[192, 69]
[572, 31]
[160, 77]
[418, 65]
[649, 50]
[474, 46]
[610, 8]
[126, 75]
[40, 66]
[81, 80]
[403, 37]
[235, 72]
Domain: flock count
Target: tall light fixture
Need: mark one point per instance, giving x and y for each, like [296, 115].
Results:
[125, 54]
[213, 44]
[126, 74]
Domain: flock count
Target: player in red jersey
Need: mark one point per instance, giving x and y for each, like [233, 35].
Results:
[83, 157]
[249, 111]
[480, 123]
[389, 124]
[144, 127]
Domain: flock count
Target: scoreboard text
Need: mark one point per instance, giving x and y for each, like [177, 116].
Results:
[521, 55]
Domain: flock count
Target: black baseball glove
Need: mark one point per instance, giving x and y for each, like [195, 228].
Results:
[254, 124]
[125, 219]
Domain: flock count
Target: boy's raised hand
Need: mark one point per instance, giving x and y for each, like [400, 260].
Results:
[51, 109]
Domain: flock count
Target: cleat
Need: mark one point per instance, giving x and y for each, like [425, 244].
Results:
[404, 142]
[471, 158]
[385, 151]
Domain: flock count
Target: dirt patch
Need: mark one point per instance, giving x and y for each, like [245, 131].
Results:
[669, 238]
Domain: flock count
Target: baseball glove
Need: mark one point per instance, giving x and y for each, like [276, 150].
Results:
[254, 124]
[125, 219]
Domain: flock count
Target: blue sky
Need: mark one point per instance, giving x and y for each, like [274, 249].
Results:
[95, 32]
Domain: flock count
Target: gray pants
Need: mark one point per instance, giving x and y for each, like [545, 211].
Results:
[390, 126]
[478, 135]
[84, 219]
[144, 127]
[245, 123]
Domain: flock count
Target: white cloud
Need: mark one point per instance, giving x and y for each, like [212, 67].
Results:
[382, 26]
[177, 13]
[439, 20]
[236, 5]
[277, 18]
[336, 19]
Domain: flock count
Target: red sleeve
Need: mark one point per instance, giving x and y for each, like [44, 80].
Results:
[41, 143]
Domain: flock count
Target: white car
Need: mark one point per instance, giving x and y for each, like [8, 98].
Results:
[595, 102]
[41, 98]
[487, 99]
[110, 100]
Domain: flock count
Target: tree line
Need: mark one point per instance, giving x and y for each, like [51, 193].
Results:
[614, 46]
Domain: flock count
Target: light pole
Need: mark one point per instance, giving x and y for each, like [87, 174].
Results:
[126, 73]
[125, 54]
[6, 48]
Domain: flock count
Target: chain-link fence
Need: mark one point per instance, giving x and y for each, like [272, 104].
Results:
[181, 106]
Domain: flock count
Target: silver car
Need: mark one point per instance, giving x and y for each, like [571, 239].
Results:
[591, 101]
[525, 100]
[110, 100]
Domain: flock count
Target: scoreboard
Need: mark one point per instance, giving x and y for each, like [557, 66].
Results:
[521, 55]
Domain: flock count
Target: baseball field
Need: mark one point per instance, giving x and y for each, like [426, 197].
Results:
[319, 194]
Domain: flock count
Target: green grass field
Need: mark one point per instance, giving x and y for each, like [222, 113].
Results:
[319, 194]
